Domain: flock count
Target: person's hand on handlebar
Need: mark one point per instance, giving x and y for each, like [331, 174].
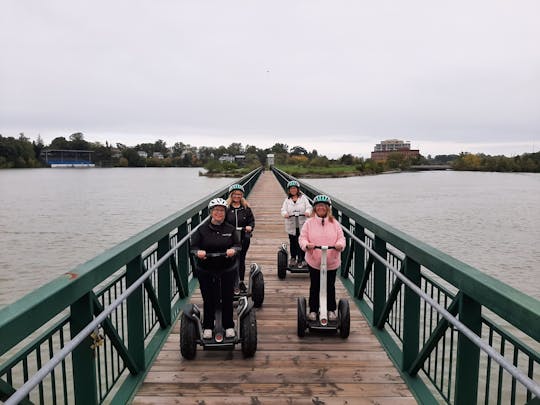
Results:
[248, 228]
[339, 246]
[201, 254]
[310, 245]
[230, 252]
[286, 215]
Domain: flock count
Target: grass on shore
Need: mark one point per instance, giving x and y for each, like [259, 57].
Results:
[330, 171]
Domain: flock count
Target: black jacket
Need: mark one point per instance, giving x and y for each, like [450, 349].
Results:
[240, 217]
[216, 239]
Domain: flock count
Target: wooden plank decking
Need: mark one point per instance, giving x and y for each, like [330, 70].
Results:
[285, 369]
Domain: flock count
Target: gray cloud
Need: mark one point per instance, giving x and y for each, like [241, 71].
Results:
[330, 74]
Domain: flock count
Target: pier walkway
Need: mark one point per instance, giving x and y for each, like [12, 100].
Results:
[285, 368]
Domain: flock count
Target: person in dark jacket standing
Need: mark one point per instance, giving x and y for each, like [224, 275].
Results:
[217, 236]
[240, 215]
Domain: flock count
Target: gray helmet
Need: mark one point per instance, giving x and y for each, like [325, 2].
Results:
[217, 201]
[322, 198]
[293, 183]
[236, 187]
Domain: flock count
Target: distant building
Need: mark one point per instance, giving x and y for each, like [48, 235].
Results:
[157, 155]
[270, 159]
[142, 154]
[385, 148]
[226, 158]
[67, 158]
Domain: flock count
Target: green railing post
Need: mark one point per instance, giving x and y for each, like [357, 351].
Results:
[359, 259]
[379, 280]
[164, 279]
[83, 357]
[468, 354]
[345, 221]
[411, 315]
[135, 314]
[183, 262]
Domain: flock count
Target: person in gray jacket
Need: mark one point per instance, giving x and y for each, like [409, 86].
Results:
[295, 209]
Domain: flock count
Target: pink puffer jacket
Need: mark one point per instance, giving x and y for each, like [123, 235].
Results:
[328, 234]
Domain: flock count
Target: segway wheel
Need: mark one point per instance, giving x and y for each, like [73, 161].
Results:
[248, 326]
[188, 337]
[344, 316]
[257, 290]
[302, 320]
[281, 264]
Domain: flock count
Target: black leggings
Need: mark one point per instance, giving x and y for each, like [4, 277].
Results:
[315, 277]
[209, 283]
[296, 252]
[242, 258]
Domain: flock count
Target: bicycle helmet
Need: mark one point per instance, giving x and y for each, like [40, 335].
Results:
[293, 183]
[217, 201]
[236, 187]
[321, 198]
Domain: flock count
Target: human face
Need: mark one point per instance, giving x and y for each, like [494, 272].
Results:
[218, 214]
[236, 196]
[321, 210]
[293, 190]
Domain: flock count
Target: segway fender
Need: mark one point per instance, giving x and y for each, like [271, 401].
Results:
[192, 311]
[245, 307]
[254, 269]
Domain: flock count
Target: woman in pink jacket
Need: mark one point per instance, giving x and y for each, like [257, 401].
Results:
[322, 230]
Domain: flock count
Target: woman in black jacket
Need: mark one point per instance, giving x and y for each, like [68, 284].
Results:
[239, 214]
[217, 236]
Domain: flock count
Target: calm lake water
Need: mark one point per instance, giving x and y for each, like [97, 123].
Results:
[51, 220]
[488, 220]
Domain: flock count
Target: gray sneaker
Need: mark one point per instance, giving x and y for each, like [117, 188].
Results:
[292, 263]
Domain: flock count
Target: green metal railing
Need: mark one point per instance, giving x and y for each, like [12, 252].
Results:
[438, 362]
[112, 362]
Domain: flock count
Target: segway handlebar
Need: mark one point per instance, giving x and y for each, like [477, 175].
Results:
[212, 254]
[323, 247]
[296, 214]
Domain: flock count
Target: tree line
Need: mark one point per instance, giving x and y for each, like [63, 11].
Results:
[21, 152]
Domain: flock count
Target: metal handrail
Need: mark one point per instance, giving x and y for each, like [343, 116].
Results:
[527, 382]
[44, 371]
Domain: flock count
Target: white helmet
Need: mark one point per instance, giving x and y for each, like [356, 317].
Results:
[217, 201]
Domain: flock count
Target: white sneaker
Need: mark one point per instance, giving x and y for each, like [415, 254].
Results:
[312, 316]
[207, 334]
[332, 315]
[229, 333]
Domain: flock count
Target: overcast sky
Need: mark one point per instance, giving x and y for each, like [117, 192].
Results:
[336, 76]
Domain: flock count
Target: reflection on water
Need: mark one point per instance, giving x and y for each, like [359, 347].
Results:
[52, 220]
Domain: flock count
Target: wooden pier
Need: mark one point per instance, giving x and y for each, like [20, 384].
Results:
[286, 369]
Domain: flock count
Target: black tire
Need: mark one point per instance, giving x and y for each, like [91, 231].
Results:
[301, 317]
[188, 337]
[257, 290]
[248, 327]
[281, 264]
[344, 316]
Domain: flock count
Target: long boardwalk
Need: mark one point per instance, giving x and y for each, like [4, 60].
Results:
[285, 369]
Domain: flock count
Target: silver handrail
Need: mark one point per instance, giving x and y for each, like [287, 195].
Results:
[530, 384]
[33, 381]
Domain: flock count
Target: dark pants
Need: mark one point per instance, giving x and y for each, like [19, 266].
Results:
[296, 252]
[315, 277]
[210, 290]
[242, 258]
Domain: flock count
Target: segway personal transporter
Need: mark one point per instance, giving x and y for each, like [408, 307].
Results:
[191, 327]
[343, 322]
[283, 256]
[255, 288]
